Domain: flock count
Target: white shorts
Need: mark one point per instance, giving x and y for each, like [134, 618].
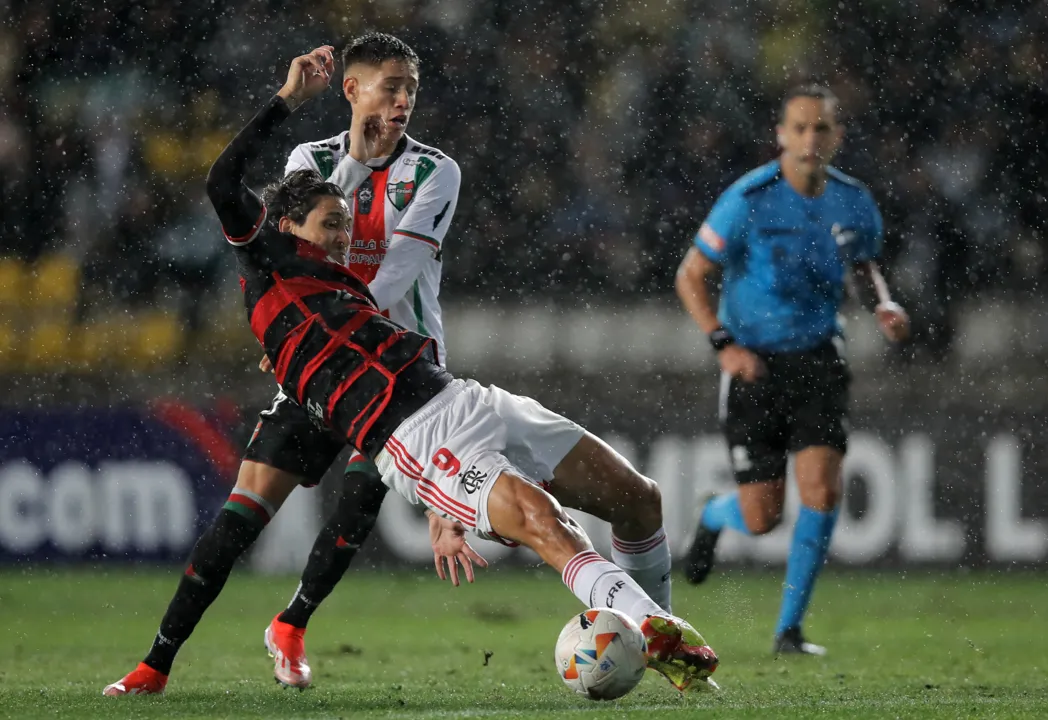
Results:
[448, 455]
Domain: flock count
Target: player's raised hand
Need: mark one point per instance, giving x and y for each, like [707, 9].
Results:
[894, 322]
[365, 132]
[448, 539]
[740, 363]
[308, 76]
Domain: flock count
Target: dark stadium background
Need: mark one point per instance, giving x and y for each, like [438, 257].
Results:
[593, 137]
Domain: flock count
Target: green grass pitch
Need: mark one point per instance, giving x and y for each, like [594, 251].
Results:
[404, 645]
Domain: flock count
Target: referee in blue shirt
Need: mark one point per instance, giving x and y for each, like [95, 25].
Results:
[785, 238]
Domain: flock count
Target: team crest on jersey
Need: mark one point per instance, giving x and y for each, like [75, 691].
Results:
[400, 193]
[472, 479]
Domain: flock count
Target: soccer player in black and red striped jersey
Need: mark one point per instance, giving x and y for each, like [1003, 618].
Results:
[494, 463]
[411, 189]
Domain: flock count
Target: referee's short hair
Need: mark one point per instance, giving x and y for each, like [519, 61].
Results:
[808, 90]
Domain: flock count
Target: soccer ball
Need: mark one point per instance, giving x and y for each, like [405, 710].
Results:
[601, 654]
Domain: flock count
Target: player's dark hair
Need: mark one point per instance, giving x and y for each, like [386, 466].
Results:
[808, 90]
[297, 194]
[375, 48]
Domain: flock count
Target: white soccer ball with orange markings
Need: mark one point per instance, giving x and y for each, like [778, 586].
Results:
[601, 654]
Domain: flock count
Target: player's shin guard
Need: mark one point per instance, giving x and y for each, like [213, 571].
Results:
[338, 541]
[648, 562]
[811, 543]
[599, 583]
[234, 530]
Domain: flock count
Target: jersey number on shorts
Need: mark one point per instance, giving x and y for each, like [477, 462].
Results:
[445, 460]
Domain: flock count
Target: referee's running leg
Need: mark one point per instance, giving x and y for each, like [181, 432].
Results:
[799, 407]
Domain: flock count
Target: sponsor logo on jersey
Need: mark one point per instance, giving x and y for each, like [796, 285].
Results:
[316, 413]
[472, 479]
[843, 236]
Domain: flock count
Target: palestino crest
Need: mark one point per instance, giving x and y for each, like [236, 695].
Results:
[401, 193]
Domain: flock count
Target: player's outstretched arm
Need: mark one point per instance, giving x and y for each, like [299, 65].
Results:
[237, 206]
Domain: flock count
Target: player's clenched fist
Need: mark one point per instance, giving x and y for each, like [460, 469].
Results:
[894, 322]
[308, 76]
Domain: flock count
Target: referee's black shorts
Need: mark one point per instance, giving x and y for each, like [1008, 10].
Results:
[802, 402]
[285, 438]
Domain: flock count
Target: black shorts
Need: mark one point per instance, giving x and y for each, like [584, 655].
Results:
[802, 402]
[285, 438]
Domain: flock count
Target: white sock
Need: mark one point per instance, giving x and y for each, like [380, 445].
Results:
[599, 583]
[647, 562]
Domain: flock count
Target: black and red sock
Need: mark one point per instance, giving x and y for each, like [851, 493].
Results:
[233, 531]
[343, 534]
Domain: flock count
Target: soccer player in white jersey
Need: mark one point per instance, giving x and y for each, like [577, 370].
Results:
[403, 198]
[402, 201]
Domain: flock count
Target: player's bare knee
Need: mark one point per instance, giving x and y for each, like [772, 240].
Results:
[823, 498]
[270, 483]
[647, 503]
[763, 522]
[637, 500]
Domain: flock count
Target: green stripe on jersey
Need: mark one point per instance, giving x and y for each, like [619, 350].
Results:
[418, 310]
[325, 160]
[419, 236]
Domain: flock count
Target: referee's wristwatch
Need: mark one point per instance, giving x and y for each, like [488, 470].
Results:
[720, 339]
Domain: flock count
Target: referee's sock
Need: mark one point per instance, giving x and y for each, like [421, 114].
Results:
[811, 542]
[724, 511]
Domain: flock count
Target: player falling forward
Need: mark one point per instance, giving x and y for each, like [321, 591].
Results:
[403, 195]
[472, 454]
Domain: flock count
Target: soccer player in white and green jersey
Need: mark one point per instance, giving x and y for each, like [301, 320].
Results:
[402, 201]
